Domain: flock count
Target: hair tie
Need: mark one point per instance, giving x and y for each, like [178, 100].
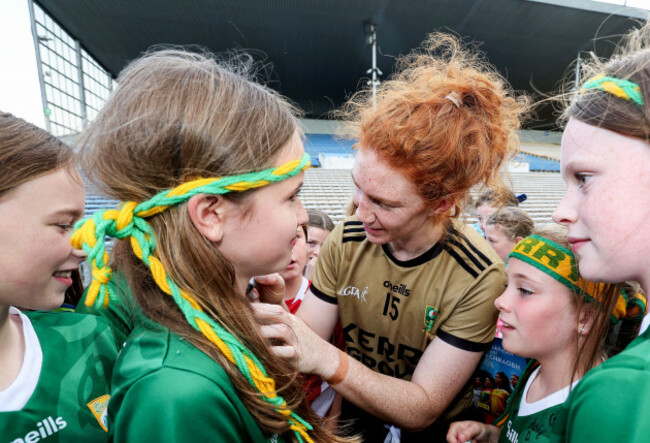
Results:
[621, 88]
[560, 263]
[454, 98]
[636, 306]
[129, 222]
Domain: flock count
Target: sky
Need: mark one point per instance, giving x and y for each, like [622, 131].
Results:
[19, 87]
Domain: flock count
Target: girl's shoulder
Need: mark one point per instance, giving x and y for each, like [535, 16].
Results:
[161, 381]
[153, 349]
[69, 329]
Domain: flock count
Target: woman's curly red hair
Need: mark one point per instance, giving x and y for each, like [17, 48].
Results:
[447, 120]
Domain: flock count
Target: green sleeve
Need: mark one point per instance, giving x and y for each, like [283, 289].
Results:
[177, 406]
[609, 406]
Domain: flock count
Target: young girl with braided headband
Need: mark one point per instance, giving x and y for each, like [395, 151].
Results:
[55, 368]
[605, 163]
[207, 165]
[548, 313]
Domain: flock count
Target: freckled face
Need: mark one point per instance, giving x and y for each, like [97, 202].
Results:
[606, 205]
[388, 203]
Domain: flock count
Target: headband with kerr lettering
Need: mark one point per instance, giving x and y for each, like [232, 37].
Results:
[625, 89]
[559, 262]
[129, 221]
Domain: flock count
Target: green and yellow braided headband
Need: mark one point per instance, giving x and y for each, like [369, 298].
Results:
[618, 87]
[129, 222]
[559, 262]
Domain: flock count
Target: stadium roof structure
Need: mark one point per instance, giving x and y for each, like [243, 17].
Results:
[318, 49]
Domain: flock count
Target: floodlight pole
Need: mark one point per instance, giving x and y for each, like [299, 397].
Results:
[370, 29]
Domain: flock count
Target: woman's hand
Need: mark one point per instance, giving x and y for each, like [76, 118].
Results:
[268, 288]
[294, 341]
[474, 431]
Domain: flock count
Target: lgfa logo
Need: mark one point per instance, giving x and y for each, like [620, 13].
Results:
[46, 427]
[353, 291]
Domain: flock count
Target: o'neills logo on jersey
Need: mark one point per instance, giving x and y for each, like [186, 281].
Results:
[353, 291]
[400, 289]
[511, 434]
[44, 429]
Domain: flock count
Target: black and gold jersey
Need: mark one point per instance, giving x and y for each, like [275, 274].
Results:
[390, 310]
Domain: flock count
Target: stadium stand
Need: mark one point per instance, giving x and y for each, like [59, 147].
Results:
[330, 190]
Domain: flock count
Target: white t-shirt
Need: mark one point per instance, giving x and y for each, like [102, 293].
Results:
[16, 396]
[554, 399]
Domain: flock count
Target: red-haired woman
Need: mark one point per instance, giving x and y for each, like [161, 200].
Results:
[413, 287]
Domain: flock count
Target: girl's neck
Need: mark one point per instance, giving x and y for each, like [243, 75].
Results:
[554, 375]
[12, 347]
[292, 287]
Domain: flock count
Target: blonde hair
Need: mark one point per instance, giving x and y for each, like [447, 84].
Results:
[447, 120]
[174, 117]
[515, 222]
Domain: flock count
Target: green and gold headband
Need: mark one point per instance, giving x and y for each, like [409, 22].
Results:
[625, 89]
[129, 222]
[560, 263]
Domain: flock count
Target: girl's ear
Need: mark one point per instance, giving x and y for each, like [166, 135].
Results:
[518, 238]
[207, 213]
[586, 319]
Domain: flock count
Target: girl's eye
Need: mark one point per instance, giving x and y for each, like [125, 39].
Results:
[582, 179]
[524, 291]
[311, 243]
[64, 226]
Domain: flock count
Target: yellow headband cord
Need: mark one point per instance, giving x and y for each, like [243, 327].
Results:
[618, 87]
[129, 222]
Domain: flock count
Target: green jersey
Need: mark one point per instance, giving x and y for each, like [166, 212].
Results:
[531, 422]
[612, 401]
[165, 389]
[62, 390]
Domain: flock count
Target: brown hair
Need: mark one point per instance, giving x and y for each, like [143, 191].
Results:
[497, 197]
[598, 343]
[28, 152]
[515, 222]
[447, 120]
[631, 61]
[319, 219]
[176, 116]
